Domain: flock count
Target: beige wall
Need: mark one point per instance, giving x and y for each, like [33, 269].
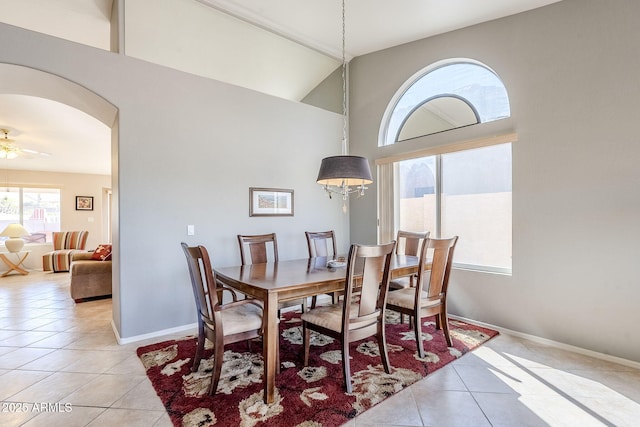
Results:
[71, 185]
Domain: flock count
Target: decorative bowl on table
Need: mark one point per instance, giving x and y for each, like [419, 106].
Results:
[337, 263]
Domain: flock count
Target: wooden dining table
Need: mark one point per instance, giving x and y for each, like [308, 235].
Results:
[275, 282]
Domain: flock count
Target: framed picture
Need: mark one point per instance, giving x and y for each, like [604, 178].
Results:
[270, 202]
[84, 203]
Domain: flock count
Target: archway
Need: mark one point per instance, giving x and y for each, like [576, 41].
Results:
[21, 80]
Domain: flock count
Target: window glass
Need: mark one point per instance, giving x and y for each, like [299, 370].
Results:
[437, 115]
[9, 206]
[476, 205]
[41, 212]
[37, 209]
[478, 88]
[416, 195]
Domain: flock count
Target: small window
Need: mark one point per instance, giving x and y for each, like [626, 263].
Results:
[446, 97]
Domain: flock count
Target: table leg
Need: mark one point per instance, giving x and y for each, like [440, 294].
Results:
[14, 266]
[270, 347]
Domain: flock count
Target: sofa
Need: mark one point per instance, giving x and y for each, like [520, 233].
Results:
[65, 244]
[89, 277]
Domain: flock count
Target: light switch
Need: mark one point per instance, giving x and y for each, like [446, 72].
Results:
[90, 219]
[191, 230]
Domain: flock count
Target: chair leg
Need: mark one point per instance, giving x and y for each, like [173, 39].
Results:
[199, 350]
[418, 331]
[382, 347]
[218, 352]
[305, 342]
[445, 327]
[346, 366]
[314, 299]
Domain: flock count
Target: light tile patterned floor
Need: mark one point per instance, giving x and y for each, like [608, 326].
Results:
[63, 357]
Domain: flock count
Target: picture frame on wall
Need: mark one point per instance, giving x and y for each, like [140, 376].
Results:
[84, 203]
[270, 202]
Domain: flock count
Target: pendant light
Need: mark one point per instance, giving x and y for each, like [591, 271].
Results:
[344, 174]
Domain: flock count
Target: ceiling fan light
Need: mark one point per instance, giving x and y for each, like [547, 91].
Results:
[11, 155]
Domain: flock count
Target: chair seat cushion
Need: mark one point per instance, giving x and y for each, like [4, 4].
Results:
[242, 318]
[59, 260]
[405, 298]
[329, 316]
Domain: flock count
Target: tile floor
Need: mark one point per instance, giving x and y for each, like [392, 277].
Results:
[61, 366]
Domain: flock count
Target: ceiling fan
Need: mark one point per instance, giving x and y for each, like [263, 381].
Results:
[10, 150]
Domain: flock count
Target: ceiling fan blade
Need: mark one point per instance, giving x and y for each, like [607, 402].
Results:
[30, 151]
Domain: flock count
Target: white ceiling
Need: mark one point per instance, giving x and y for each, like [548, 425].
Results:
[371, 25]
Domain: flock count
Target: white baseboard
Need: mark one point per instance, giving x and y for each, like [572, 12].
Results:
[552, 343]
[186, 328]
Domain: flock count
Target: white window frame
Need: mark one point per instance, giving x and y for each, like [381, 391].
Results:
[387, 188]
[387, 136]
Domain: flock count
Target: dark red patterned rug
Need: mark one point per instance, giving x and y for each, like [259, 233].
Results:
[309, 397]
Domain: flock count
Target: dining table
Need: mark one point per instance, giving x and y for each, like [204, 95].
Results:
[275, 282]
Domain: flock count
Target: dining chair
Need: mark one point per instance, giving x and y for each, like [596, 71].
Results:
[256, 246]
[407, 243]
[354, 319]
[319, 243]
[429, 296]
[222, 324]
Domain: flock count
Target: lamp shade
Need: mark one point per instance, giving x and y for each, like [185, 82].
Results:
[340, 170]
[14, 232]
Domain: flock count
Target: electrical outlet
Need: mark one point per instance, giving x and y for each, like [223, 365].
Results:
[191, 230]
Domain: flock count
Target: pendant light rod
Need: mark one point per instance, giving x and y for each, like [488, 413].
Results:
[338, 174]
[345, 149]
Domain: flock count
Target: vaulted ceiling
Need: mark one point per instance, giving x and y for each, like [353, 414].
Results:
[371, 25]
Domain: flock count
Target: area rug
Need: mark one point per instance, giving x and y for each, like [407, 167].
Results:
[305, 397]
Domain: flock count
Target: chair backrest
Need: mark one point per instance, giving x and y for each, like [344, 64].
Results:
[257, 248]
[410, 242]
[202, 282]
[69, 239]
[441, 261]
[368, 275]
[318, 243]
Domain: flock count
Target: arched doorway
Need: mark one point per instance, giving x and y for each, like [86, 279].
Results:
[49, 89]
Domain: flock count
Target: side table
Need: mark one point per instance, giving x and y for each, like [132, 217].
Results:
[17, 266]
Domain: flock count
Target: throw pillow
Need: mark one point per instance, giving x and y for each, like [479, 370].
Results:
[102, 253]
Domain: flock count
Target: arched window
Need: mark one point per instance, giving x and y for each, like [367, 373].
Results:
[445, 96]
[460, 188]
